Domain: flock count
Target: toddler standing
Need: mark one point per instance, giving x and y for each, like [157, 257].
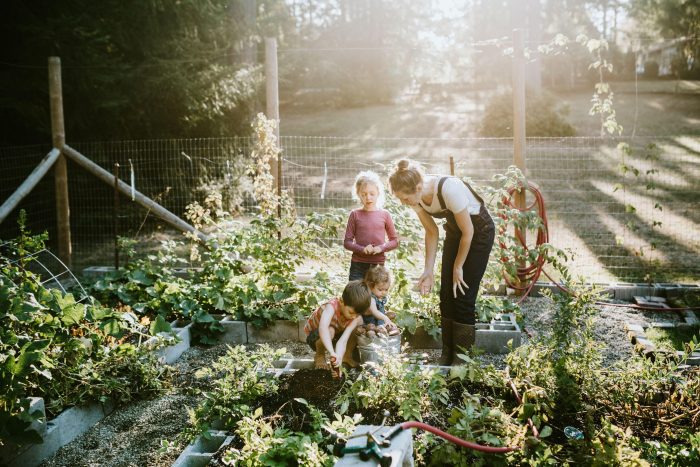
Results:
[370, 231]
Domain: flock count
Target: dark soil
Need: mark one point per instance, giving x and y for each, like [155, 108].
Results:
[314, 385]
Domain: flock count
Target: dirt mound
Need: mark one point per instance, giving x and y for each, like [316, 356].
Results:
[314, 385]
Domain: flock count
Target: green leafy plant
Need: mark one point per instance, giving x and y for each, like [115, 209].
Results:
[267, 441]
[472, 420]
[65, 351]
[397, 386]
[602, 100]
[509, 257]
[239, 379]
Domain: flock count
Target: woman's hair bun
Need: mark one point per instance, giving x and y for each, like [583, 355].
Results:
[403, 164]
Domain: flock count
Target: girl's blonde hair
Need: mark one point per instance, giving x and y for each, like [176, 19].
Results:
[405, 177]
[365, 177]
[377, 275]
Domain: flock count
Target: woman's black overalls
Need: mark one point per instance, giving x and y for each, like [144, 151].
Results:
[462, 309]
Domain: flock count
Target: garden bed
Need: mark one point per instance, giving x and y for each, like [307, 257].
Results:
[132, 435]
[74, 421]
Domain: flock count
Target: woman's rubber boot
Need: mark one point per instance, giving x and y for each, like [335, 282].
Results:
[463, 336]
[447, 342]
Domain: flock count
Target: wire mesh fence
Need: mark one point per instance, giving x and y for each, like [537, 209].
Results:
[623, 215]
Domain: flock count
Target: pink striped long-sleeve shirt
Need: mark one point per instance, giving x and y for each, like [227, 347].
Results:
[370, 228]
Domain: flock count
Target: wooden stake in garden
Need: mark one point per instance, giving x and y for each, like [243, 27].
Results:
[519, 115]
[58, 136]
[115, 171]
[273, 109]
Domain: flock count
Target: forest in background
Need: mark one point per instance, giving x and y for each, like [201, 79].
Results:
[190, 68]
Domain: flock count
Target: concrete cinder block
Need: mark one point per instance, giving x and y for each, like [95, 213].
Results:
[10, 451]
[99, 271]
[663, 325]
[644, 345]
[494, 337]
[277, 331]
[650, 302]
[623, 291]
[39, 425]
[627, 291]
[540, 286]
[180, 342]
[293, 363]
[199, 453]
[60, 431]
[400, 450]
[235, 332]
[693, 359]
[492, 341]
[636, 328]
[690, 317]
[605, 290]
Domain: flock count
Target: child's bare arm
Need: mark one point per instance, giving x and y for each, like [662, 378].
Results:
[342, 343]
[324, 328]
[379, 315]
[375, 311]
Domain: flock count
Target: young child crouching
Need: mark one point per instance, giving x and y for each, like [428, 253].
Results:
[334, 322]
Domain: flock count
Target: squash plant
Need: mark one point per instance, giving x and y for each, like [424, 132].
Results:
[54, 347]
[247, 271]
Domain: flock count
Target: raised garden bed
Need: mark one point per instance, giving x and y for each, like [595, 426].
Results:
[55, 433]
[74, 421]
[181, 338]
[201, 451]
[314, 386]
[663, 338]
[492, 337]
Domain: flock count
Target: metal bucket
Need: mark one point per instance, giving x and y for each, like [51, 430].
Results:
[373, 349]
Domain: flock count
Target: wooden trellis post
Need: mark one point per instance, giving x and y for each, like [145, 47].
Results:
[519, 146]
[58, 136]
[273, 112]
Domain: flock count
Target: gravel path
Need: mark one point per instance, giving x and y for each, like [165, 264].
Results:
[131, 435]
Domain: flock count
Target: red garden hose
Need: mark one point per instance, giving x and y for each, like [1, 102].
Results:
[528, 274]
[458, 441]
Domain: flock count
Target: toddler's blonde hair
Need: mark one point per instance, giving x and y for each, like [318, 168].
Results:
[365, 177]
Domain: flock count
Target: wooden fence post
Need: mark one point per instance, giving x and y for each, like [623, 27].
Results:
[518, 100]
[273, 112]
[519, 143]
[115, 214]
[58, 136]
